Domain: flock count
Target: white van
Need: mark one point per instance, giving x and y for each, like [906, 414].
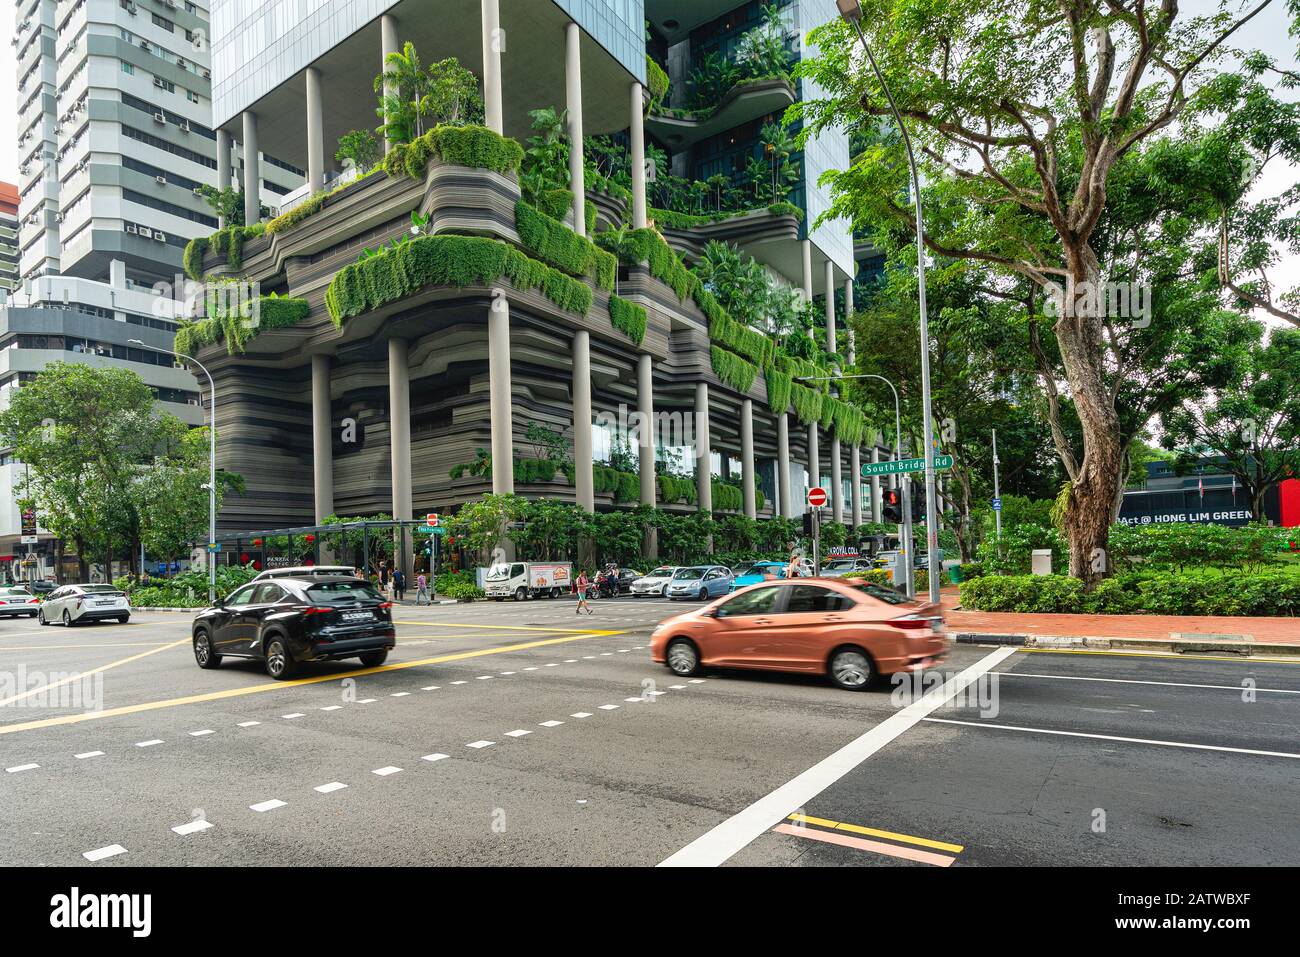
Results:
[520, 580]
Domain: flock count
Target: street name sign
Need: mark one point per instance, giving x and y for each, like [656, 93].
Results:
[904, 465]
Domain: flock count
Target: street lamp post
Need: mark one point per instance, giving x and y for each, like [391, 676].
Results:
[212, 466]
[905, 527]
[851, 12]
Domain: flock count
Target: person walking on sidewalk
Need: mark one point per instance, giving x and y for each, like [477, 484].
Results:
[399, 584]
[422, 589]
[581, 586]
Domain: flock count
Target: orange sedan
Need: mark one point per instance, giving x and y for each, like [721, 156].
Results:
[848, 629]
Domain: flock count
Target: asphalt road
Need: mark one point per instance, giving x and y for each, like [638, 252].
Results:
[521, 734]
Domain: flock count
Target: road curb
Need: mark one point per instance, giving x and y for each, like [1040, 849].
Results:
[1101, 643]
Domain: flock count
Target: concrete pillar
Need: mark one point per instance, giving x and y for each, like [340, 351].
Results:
[399, 439]
[321, 446]
[252, 171]
[805, 248]
[387, 44]
[223, 167]
[501, 395]
[830, 306]
[645, 406]
[703, 450]
[837, 480]
[855, 477]
[875, 483]
[493, 41]
[315, 133]
[852, 353]
[637, 133]
[784, 499]
[747, 476]
[573, 98]
[583, 481]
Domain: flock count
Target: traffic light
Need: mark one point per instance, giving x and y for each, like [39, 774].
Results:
[893, 506]
[808, 522]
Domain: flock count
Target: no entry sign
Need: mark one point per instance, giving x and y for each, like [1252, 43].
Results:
[817, 497]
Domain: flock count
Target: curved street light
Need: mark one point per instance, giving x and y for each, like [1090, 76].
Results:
[212, 466]
[851, 13]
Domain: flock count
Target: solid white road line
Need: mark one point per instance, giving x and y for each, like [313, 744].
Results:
[193, 827]
[98, 855]
[1134, 681]
[1113, 737]
[330, 788]
[734, 834]
[262, 806]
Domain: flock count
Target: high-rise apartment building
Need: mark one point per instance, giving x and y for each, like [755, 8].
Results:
[115, 135]
[8, 236]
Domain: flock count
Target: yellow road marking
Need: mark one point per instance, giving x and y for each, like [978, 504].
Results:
[116, 644]
[92, 671]
[1169, 656]
[456, 624]
[874, 832]
[279, 685]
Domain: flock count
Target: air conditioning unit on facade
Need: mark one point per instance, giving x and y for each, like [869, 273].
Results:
[160, 180]
[160, 237]
[130, 228]
[146, 232]
[159, 118]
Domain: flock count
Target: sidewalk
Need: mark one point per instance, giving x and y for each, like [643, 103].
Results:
[1172, 632]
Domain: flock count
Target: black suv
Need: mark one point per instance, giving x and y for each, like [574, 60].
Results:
[286, 621]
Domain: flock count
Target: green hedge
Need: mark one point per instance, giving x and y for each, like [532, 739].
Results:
[628, 317]
[807, 403]
[228, 242]
[750, 343]
[1271, 593]
[311, 206]
[274, 312]
[732, 369]
[474, 146]
[554, 243]
[779, 385]
[674, 489]
[625, 486]
[558, 204]
[446, 261]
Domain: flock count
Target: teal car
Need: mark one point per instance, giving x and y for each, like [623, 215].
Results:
[755, 572]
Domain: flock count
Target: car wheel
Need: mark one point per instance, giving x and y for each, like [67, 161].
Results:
[703, 595]
[374, 659]
[851, 669]
[123, 619]
[682, 658]
[520, 593]
[278, 663]
[32, 615]
[664, 591]
[40, 616]
[67, 619]
[203, 653]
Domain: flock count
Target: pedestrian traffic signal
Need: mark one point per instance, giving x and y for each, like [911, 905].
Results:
[893, 506]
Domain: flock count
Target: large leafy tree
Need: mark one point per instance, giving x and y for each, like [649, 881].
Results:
[1024, 112]
[83, 433]
[1254, 424]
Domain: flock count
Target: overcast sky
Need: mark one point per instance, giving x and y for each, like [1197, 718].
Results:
[1267, 32]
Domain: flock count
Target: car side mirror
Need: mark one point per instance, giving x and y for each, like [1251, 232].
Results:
[219, 602]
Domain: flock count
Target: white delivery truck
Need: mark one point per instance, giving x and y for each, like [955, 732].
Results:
[520, 580]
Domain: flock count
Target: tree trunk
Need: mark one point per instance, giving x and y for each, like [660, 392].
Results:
[1257, 504]
[1092, 495]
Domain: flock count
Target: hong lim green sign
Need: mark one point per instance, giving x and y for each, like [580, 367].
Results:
[904, 465]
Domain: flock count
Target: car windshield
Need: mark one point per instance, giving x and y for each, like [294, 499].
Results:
[885, 594]
[661, 572]
[15, 592]
[498, 572]
[333, 592]
[840, 563]
[688, 574]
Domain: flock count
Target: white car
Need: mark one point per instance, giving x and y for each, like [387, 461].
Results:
[73, 604]
[655, 582]
[17, 600]
[842, 566]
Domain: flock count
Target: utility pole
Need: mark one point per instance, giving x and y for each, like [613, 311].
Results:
[997, 495]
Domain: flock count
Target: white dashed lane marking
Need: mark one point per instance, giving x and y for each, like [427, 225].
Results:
[100, 853]
[385, 772]
[330, 788]
[479, 744]
[517, 733]
[551, 724]
[434, 757]
[88, 754]
[193, 827]
[148, 744]
[22, 767]
[248, 724]
[199, 734]
[263, 806]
